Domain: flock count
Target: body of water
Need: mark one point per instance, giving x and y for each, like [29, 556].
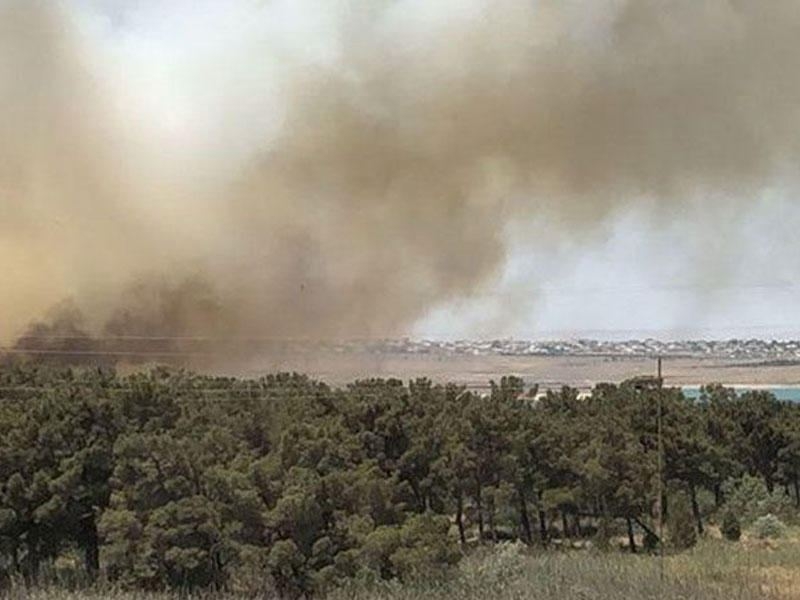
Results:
[791, 394]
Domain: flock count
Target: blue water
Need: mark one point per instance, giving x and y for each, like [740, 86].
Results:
[791, 394]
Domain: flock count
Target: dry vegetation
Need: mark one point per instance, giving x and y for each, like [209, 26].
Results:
[550, 372]
[714, 570]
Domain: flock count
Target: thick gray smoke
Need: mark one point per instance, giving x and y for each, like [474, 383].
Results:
[335, 169]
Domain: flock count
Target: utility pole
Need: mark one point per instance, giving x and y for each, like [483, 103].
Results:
[660, 473]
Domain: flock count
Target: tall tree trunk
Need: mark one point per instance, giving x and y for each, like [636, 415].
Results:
[796, 484]
[460, 518]
[578, 530]
[419, 500]
[524, 519]
[631, 538]
[479, 507]
[646, 529]
[543, 537]
[564, 525]
[15, 556]
[31, 562]
[696, 509]
[718, 495]
[91, 547]
[492, 528]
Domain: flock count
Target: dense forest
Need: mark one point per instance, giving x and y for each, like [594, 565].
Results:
[168, 479]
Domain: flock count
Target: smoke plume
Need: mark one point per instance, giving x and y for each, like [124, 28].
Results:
[335, 169]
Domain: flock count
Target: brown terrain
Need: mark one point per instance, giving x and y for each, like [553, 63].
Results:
[547, 371]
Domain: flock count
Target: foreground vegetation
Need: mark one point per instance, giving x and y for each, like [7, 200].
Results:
[714, 570]
[284, 486]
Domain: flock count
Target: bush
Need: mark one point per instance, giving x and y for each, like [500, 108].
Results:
[731, 529]
[768, 526]
[680, 523]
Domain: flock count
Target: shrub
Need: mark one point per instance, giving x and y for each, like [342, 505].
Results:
[680, 523]
[768, 526]
[731, 529]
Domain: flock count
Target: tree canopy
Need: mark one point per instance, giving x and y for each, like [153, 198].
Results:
[169, 479]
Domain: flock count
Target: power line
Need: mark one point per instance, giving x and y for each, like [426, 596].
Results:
[86, 337]
[192, 338]
[56, 352]
[255, 387]
[254, 391]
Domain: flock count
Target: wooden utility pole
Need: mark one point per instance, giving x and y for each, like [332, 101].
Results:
[660, 473]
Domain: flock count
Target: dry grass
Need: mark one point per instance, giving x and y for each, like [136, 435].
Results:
[549, 371]
[714, 570]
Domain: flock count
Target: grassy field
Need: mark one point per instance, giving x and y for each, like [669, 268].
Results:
[714, 570]
[550, 372]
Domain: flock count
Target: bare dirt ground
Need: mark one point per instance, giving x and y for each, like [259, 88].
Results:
[549, 372]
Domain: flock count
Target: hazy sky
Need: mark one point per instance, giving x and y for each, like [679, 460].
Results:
[708, 269]
[638, 277]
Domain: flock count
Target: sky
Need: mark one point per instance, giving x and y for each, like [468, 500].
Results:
[719, 262]
[638, 276]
